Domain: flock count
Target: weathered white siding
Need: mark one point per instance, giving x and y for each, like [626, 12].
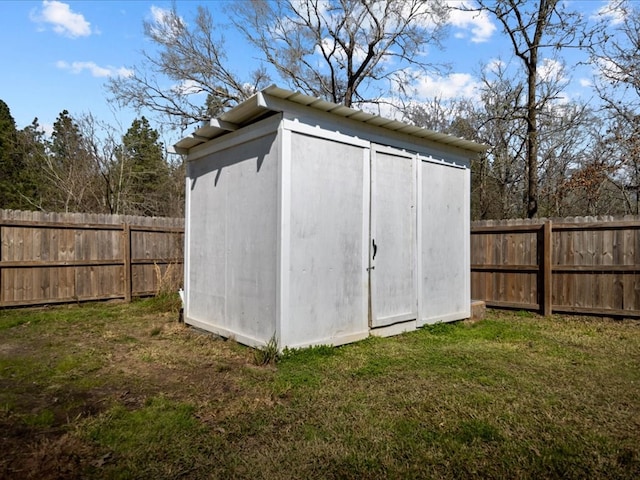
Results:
[232, 234]
[285, 202]
[394, 294]
[445, 224]
[328, 277]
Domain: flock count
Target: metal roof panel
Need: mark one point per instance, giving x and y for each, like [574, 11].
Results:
[256, 106]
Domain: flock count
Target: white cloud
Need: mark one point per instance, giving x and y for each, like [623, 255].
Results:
[585, 82]
[94, 69]
[612, 11]
[607, 68]
[453, 86]
[47, 128]
[478, 23]
[187, 87]
[162, 21]
[388, 108]
[159, 14]
[62, 19]
[552, 71]
[494, 66]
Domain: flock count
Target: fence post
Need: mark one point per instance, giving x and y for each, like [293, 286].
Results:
[547, 272]
[126, 238]
[1, 294]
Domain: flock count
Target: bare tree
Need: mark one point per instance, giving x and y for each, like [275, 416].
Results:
[347, 51]
[100, 144]
[532, 27]
[566, 139]
[190, 60]
[131, 175]
[595, 183]
[617, 56]
[502, 125]
[438, 114]
[66, 169]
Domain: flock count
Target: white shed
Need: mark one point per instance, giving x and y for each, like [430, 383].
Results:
[321, 224]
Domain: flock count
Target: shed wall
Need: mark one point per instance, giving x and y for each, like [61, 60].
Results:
[445, 220]
[328, 237]
[280, 225]
[232, 235]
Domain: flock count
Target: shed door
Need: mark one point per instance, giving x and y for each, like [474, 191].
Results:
[393, 239]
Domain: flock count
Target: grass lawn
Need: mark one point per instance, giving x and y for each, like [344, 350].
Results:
[124, 391]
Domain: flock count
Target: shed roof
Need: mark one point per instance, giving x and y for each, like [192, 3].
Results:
[266, 101]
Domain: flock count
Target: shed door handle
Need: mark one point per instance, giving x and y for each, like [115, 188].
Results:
[375, 248]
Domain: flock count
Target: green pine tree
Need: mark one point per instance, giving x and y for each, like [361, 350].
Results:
[69, 169]
[142, 157]
[16, 187]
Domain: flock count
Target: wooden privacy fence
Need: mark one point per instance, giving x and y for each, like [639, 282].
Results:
[58, 258]
[577, 265]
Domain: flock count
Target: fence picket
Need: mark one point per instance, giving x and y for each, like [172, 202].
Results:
[55, 258]
[589, 265]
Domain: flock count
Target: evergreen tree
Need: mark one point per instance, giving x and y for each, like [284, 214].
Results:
[10, 165]
[32, 149]
[68, 170]
[17, 183]
[142, 157]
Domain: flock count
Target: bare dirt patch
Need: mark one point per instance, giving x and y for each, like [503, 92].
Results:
[53, 377]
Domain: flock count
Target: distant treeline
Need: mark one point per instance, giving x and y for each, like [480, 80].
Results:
[87, 166]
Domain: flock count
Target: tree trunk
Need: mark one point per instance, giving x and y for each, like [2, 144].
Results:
[532, 141]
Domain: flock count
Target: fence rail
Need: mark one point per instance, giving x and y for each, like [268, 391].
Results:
[59, 258]
[578, 265]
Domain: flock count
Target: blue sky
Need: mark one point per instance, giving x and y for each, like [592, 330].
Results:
[58, 55]
[61, 53]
